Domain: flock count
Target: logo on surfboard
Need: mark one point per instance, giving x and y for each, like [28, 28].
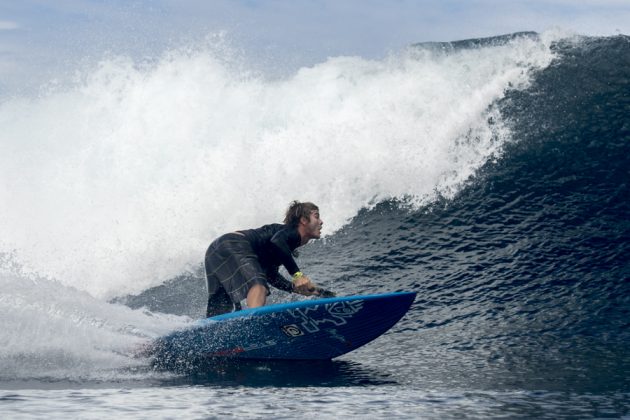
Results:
[292, 330]
[336, 314]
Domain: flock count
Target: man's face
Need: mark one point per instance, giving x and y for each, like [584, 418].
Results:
[313, 225]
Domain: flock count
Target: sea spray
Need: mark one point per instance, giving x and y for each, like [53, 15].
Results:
[53, 332]
[121, 181]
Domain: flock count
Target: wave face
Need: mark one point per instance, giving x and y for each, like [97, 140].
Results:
[526, 272]
[492, 177]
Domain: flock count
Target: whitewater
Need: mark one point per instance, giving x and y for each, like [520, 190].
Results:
[118, 182]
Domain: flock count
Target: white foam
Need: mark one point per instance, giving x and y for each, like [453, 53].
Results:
[56, 332]
[120, 182]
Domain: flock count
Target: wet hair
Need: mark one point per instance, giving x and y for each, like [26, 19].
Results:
[297, 210]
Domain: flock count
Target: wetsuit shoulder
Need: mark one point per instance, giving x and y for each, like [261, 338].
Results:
[262, 235]
[274, 245]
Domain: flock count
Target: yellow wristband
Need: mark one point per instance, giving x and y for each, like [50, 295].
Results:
[297, 275]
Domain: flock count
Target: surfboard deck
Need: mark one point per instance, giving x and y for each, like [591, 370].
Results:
[319, 329]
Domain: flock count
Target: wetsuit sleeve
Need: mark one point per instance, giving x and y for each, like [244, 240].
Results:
[282, 243]
[279, 282]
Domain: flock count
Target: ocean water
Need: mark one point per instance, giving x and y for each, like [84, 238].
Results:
[490, 176]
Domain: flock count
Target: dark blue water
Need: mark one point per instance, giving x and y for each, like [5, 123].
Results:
[523, 278]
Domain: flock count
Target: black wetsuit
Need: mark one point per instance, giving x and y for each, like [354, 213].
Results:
[274, 244]
[236, 261]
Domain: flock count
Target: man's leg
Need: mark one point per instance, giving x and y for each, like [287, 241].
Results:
[256, 296]
[219, 303]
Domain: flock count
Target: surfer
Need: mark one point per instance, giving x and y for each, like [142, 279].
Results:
[242, 264]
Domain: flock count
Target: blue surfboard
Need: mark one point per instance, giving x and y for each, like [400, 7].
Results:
[320, 329]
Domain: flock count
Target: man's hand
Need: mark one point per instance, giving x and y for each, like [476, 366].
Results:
[304, 286]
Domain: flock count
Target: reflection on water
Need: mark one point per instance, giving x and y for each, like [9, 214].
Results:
[260, 373]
